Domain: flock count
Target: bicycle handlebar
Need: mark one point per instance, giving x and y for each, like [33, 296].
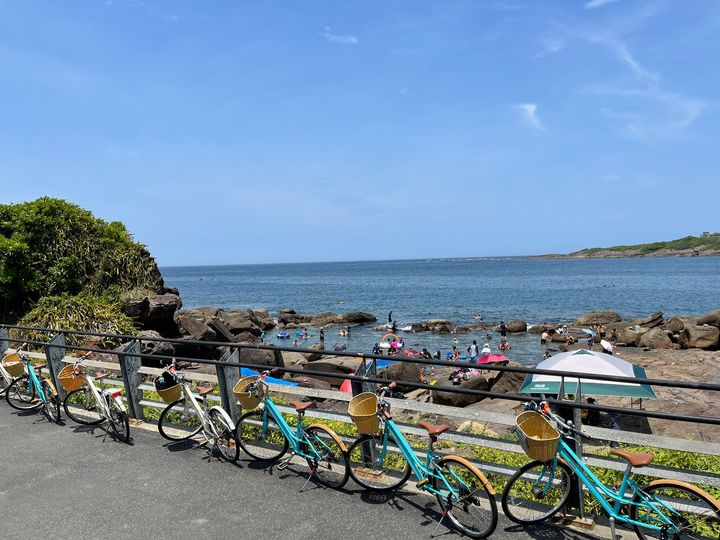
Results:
[543, 408]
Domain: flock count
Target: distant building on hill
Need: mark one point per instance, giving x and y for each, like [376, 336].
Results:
[705, 234]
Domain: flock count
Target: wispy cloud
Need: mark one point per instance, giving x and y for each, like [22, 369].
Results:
[344, 39]
[621, 51]
[550, 46]
[529, 112]
[593, 4]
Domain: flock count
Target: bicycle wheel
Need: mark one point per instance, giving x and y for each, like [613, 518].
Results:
[536, 492]
[4, 383]
[472, 509]
[169, 417]
[267, 445]
[226, 441]
[51, 407]
[21, 394]
[119, 422]
[331, 465]
[81, 406]
[374, 467]
[693, 512]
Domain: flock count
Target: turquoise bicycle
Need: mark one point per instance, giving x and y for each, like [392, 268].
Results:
[665, 509]
[265, 435]
[382, 460]
[28, 391]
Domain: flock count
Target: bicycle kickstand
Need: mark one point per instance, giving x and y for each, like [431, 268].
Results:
[442, 516]
[313, 470]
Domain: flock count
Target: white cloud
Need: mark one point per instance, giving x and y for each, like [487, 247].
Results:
[344, 39]
[529, 112]
[593, 4]
[550, 46]
[623, 54]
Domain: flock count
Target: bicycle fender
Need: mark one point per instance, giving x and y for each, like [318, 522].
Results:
[332, 434]
[687, 485]
[225, 415]
[52, 386]
[121, 404]
[477, 471]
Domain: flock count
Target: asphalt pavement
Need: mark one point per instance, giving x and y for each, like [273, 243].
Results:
[66, 481]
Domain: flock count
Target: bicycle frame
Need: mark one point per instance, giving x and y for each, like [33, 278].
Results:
[200, 411]
[422, 471]
[34, 380]
[295, 438]
[101, 398]
[599, 490]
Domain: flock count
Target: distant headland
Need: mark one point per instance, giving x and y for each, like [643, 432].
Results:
[705, 245]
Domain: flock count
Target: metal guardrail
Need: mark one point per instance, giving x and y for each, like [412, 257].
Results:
[227, 373]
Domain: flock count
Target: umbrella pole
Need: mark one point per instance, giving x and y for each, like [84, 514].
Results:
[575, 499]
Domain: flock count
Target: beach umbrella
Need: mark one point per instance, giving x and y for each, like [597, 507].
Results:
[588, 331]
[583, 361]
[492, 359]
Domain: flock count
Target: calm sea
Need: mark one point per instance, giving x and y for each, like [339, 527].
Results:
[456, 289]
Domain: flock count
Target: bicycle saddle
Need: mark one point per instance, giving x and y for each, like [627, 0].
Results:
[636, 460]
[204, 390]
[99, 376]
[40, 366]
[301, 405]
[432, 429]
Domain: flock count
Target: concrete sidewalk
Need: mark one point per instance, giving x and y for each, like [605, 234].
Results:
[65, 481]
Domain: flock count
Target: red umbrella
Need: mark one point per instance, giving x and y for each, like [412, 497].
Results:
[493, 359]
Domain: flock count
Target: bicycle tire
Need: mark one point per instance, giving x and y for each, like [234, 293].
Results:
[332, 469]
[78, 404]
[51, 407]
[21, 394]
[475, 493]
[517, 497]
[227, 442]
[3, 385]
[368, 473]
[672, 492]
[163, 420]
[249, 435]
[119, 422]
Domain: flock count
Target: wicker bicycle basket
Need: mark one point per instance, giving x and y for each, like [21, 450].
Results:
[13, 365]
[537, 436]
[70, 380]
[168, 395]
[363, 411]
[246, 399]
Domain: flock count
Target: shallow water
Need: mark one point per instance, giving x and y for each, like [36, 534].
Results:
[455, 289]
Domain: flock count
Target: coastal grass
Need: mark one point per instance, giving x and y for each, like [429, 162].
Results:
[689, 242]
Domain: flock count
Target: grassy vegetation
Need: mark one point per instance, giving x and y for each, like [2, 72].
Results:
[689, 242]
[52, 248]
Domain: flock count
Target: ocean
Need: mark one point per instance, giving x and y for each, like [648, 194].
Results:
[456, 289]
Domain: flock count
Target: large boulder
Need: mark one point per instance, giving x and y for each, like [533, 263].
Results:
[137, 308]
[508, 382]
[207, 311]
[516, 326]
[539, 329]
[456, 399]
[161, 314]
[597, 317]
[265, 321]
[712, 318]
[400, 372]
[294, 359]
[655, 338]
[192, 325]
[326, 319]
[241, 320]
[221, 330]
[701, 337]
[261, 358]
[312, 357]
[673, 325]
[359, 317]
[335, 367]
[148, 346]
[630, 335]
[651, 321]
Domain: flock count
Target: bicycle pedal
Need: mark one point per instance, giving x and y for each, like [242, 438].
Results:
[421, 483]
[284, 464]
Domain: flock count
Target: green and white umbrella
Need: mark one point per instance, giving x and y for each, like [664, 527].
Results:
[596, 363]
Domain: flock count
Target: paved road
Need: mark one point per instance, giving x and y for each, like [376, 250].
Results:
[65, 481]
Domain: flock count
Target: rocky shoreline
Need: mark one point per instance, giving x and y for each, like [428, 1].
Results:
[631, 253]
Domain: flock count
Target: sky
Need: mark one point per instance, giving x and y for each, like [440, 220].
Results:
[249, 132]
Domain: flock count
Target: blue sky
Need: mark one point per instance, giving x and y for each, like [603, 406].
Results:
[243, 132]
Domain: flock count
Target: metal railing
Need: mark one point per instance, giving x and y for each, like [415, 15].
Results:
[227, 373]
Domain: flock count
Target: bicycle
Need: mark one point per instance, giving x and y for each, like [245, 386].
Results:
[29, 391]
[88, 405]
[384, 460]
[266, 436]
[662, 508]
[14, 368]
[216, 425]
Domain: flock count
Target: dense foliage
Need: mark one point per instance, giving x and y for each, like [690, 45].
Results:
[51, 247]
[689, 242]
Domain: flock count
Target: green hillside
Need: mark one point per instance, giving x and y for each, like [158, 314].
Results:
[689, 242]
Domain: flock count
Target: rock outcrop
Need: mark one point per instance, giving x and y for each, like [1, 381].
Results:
[289, 319]
[712, 318]
[597, 317]
[155, 312]
[516, 326]
[655, 338]
[700, 337]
